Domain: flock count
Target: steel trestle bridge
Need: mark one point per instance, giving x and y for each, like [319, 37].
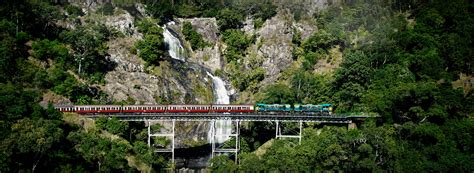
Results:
[345, 119]
[279, 119]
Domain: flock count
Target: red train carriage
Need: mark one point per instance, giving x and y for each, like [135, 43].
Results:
[219, 108]
[85, 109]
[188, 108]
[232, 108]
[144, 108]
[65, 108]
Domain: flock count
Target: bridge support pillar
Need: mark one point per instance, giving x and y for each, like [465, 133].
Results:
[298, 135]
[161, 133]
[218, 147]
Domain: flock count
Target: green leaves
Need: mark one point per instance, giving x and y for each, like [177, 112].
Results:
[152, 47]
[229, 19]
[46, 49]
[36, 136]
[113, 126]
[104, 154]
[194, 38]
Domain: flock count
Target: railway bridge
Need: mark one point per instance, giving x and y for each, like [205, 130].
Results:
[278, 119]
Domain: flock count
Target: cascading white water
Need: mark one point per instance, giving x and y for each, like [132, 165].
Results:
[175, 49]
[223, 127]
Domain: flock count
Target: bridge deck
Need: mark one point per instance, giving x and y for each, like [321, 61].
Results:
[240, 117]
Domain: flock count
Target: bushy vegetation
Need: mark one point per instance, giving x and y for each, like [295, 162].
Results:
[73, 10]
[36, 57]
[194, 38]
[395, 64]
[106, 9]
[409, 147]
[400, 59]
[152, 48]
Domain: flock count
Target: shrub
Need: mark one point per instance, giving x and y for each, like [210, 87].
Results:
[196, 40]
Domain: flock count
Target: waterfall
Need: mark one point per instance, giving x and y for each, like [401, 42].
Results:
[175, 48]
[223, 127]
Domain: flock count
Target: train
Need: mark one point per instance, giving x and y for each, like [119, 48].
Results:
[210, 108]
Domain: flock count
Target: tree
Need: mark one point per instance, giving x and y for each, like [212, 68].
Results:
[89, 50]
[117, 127]
[222, 164]
[229, 19]
[146, 154]
[106, 154]
[151, 49]
[36, 137]
[196, 40]
[250, 162]
[278, 93]
[54, 50]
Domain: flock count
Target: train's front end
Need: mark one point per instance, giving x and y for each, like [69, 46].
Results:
[327, 108]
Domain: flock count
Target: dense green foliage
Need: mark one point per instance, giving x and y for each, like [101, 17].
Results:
[74, 10]
[194, 38]
[152, 47]
[112, 125]
[399, 59]
[37, 56]
[396, 61]
[410, 147]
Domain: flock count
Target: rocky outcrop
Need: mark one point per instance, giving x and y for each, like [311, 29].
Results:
[123, 22]
[210, 56]
[170, 82]
[308, 7]
[276, 47]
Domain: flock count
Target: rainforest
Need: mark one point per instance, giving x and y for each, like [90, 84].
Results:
[409, 62]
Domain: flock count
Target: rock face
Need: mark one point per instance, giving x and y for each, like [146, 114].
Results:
[209, 57]
[309, 7]
[170, 82]
[276, 47]
[274, 43]
[123, 23]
